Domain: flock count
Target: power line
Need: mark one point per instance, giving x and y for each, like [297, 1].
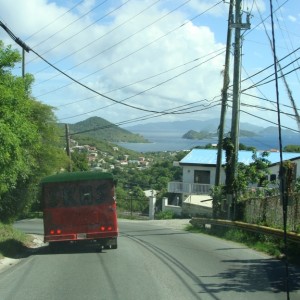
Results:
[260, 83]
[288, 35]
[254, 27]
[24, 46]
[143, 118]
[267, 100]
[272, 45]
[147, 78]
[130, 54]
[102, 36]
[65, 27]
[146, 90]
[116, 44]
[269, 109]
[272, 65]
[52, 22]
[268, 121]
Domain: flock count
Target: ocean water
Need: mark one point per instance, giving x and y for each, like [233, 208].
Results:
[175, 143]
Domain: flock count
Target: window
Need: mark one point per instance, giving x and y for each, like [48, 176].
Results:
[273, 177]
[202, 177]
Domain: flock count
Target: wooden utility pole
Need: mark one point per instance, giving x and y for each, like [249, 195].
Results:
[235, 120]
[226, 81]
[23, 62]
[68, 150]
[20, 43]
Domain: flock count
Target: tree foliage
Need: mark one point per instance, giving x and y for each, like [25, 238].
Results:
[79, 161]
[28, 140]
[254, 173]
[292, 148]
[133, 181]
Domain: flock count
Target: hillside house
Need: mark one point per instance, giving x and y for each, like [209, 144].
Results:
[198, 176]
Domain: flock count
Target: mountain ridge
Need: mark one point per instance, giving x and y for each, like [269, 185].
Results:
[101, 129]
[180, 128]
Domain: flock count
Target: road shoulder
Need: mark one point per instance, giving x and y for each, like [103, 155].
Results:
[36, 243]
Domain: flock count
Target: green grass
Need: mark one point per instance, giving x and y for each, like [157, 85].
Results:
[165, 215]
[12, 241]
[273, 246]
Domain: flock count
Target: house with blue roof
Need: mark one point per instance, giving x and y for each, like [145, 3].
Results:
[199, 172]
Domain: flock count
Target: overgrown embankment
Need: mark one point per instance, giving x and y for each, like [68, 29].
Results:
[271, 245]
[12, 241]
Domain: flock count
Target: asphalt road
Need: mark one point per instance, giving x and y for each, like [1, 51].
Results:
[153, 261]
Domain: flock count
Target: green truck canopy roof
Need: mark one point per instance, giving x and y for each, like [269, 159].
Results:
[76, 176]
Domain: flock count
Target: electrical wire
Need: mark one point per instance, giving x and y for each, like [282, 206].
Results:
[272, 65]
[290, 96]
[288, 35]
[52, 22]
[68, 25]
[128, 55]
[263, 108]
[146, 78]
[267, 100]
[252, 29]
[260, 83]
[141, 119]
[25, 47]
[282, 180]
[150, 88]
[102, 36]
[114, 45]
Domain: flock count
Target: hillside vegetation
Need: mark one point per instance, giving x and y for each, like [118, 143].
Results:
[100, 129]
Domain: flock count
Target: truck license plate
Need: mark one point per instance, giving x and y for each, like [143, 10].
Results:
[81, 236]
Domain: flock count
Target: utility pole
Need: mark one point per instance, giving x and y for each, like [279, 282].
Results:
[20, 43]
[23, 62]
[235, 121]
[226, 81]
[68, 146]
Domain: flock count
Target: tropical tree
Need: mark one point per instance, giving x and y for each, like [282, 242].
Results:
[29, 141]
[79, 161]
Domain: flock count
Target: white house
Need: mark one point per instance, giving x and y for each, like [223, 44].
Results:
[199, 171]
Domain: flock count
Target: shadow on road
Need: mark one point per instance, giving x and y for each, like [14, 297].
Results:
[250, 276]
[16, 250]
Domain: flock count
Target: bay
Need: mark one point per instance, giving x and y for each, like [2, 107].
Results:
[158, 143]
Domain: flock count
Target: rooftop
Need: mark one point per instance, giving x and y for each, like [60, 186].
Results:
[209, 157]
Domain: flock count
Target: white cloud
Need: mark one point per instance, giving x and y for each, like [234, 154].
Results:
[120, 44]
[140, 48]
[292, 18]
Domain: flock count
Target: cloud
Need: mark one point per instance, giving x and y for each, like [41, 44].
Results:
[137, 41]
[152, 55]
[292, 18]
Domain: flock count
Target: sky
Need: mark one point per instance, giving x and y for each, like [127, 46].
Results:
[134, 61]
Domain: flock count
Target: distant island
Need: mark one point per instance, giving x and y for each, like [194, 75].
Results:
[180, 128]
[201, 135]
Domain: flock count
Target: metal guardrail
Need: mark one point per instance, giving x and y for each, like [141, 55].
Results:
[292, 236]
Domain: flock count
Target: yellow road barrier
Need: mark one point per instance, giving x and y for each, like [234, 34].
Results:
[292, 236]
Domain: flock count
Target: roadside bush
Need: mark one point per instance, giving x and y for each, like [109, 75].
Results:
[271, 245]
[12, 241]
[164, 215]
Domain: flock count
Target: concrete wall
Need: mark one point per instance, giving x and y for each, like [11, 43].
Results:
[187, 209]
